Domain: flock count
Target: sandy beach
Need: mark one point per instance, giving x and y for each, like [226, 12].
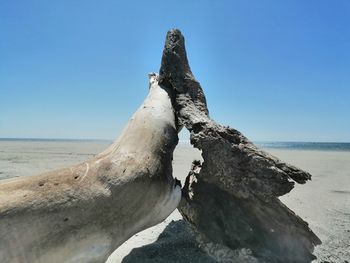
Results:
[324, 202]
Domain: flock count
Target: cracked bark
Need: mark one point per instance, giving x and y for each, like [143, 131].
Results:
[231, 199]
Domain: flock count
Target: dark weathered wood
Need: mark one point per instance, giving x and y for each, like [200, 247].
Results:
[231, 199]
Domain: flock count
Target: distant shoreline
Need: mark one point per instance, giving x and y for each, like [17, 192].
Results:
[54, 140]
[312, 146]
[316, 146]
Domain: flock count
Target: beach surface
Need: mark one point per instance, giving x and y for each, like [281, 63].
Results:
[323, 202]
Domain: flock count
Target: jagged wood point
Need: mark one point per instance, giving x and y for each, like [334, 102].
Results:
[231, 199]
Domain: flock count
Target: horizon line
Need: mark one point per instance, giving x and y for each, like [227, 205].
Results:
[111, 140]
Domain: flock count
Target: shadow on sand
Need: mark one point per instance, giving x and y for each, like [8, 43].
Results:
[176, 243]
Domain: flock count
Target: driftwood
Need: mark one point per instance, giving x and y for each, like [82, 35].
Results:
[231, 199]
[84, 212]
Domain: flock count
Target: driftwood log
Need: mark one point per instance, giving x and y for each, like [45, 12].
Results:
[84, 212]
[231, 199]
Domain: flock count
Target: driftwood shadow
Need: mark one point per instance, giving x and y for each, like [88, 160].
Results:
[177, 243]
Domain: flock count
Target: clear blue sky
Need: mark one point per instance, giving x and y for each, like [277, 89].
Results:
[275, 70]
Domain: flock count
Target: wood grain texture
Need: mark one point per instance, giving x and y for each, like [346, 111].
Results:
[84, 212]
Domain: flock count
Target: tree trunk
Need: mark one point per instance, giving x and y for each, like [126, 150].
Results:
[231, 199]
[84, 212]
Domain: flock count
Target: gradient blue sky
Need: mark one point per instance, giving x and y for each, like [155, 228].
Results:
[275, 70]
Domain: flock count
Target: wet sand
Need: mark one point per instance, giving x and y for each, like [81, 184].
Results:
[324, 202]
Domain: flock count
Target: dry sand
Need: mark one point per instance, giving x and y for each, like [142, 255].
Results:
[324, 202]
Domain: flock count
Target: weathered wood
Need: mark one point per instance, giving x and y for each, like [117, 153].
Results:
[84, 212]
[231, 199]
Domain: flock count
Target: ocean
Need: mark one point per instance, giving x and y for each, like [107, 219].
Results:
[316, 146]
